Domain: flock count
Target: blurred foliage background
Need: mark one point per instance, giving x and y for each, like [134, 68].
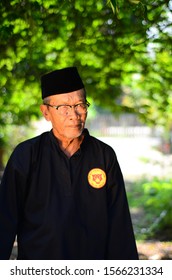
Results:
[153, 198]
[121, 48]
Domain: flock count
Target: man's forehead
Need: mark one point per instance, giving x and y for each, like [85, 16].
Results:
[75, 95]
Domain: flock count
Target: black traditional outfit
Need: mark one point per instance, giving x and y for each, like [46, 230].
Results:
[65, 208]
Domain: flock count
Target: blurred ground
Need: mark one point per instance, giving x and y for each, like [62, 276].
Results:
[155, 250]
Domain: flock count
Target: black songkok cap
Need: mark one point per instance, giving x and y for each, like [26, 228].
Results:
[61, 81]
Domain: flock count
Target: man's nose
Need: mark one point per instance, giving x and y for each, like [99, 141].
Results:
[73, 112]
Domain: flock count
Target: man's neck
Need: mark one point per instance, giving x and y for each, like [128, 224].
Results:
[70, 146]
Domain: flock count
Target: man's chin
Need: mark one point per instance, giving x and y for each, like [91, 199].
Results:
[74, 133]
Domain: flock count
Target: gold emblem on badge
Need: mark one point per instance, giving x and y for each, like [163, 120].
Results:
[97, 178]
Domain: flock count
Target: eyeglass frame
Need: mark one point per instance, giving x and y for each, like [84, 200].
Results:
[69, 106]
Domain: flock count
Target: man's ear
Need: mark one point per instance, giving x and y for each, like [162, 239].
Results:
[45, 112]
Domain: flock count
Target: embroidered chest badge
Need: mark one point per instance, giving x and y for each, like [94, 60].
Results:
[97, 178]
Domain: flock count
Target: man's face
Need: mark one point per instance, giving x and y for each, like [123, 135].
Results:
[71, 125]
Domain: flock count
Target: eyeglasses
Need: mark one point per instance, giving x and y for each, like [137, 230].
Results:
[80, 108]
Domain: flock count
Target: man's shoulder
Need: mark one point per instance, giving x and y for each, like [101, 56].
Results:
[99, 146]
[33, 141]
[27, 151]
[100, 142]
[30, 146]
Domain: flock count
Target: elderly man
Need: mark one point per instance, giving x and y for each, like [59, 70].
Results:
[62, 192]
